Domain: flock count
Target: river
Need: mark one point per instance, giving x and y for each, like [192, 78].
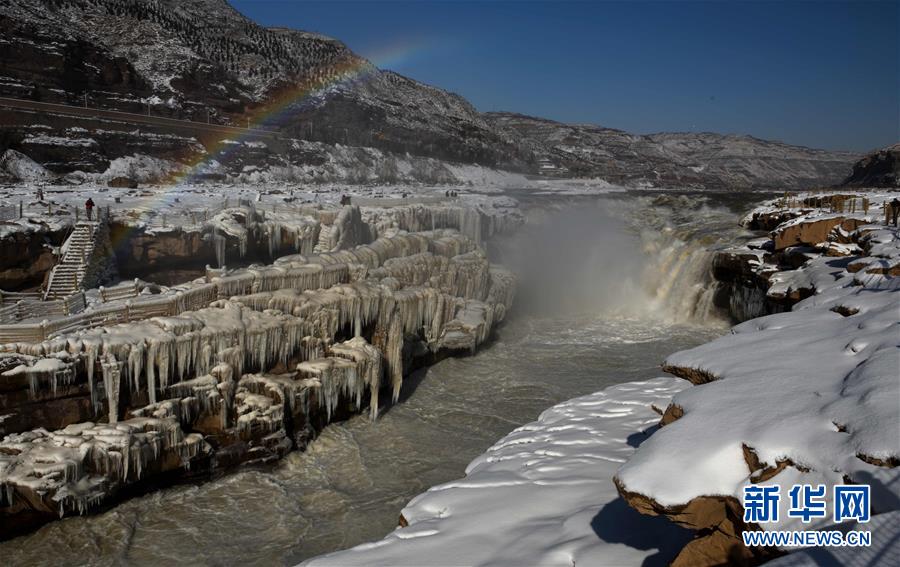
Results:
[609, 288]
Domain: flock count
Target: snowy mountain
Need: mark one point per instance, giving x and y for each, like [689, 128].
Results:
[201, 60]
[676, 159]
[187, 59]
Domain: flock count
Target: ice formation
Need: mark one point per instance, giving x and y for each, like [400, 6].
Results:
[477, 219]
[77, 467]
[243, 366]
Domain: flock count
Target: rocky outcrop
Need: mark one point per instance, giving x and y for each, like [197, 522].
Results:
[122, 181]
[812, 231]
[27, 254]
[800, 397]
[767, 219]
[770, 274]
[46, 473]
[878, 169]
[238, 235]
[19, 167]
[140, 252]
[349, 230]
[718, 522]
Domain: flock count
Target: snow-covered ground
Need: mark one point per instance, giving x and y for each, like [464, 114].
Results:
[811, 396]
[50, 205]
[339, 164]
[885, 548]
[814, 386]
[184, 206]
[542, 495]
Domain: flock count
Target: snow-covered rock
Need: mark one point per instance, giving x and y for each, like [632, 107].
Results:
[22, 168]
[142, 168]
[808, 396]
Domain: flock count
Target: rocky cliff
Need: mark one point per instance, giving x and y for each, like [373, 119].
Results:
[772, 273]
[91, 412]
[241, 365]
[806, 396]
[877, 169]
[203, 60]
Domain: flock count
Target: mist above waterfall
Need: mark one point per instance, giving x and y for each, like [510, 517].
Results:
[576, 260]
[644, 257]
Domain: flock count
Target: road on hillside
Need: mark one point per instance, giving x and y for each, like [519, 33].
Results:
[20, 104]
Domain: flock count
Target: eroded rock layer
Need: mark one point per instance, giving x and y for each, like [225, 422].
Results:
[807, 238]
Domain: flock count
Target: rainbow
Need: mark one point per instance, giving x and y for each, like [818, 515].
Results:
[280, 107]
[273, 113]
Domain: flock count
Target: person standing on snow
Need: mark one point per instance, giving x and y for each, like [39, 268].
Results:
[895, 210]
[89, 207]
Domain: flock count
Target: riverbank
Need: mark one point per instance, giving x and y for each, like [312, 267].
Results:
[541, 495]
[807, 396]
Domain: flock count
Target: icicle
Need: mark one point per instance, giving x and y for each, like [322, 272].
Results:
[111, 381]
[219, 243]
[272, 244]
[90, 357]
[151, 375]
[9, 492]
[394, 354]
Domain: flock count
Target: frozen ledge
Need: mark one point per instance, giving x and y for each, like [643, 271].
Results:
[237, 380]
[543, 495]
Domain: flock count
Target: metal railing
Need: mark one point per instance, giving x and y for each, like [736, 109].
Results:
[191, 299]
[15, 307]
[121, 291]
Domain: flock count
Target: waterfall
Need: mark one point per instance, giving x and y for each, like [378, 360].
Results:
[679, 282]
[679, 234]
[641, 257]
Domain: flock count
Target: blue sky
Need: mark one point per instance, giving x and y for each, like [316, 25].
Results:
[815, 73]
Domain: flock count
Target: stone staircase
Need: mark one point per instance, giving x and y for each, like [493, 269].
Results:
[67, 276]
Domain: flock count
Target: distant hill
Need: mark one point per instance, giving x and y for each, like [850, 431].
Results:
[204, 61]
[676, 159]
